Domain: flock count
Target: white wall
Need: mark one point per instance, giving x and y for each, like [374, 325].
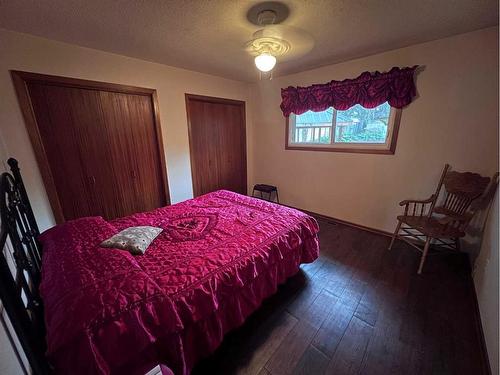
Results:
[29, 53]
[454, 120]
[486, 280]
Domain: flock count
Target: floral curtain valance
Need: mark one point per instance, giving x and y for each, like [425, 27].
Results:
[369, 89]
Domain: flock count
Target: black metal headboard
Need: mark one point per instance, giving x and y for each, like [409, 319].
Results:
[20, 264]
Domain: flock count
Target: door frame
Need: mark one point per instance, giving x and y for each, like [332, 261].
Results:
[243, 139]
[22, 79]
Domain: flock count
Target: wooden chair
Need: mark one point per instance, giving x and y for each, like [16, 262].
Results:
[423, 221]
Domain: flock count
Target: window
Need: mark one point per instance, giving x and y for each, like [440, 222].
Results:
[357, 129]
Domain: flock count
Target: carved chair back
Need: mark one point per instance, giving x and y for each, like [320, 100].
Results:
[461, 194]
[461, 190]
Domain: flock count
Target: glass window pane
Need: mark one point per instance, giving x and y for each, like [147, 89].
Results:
[362, 125]
[314, 127]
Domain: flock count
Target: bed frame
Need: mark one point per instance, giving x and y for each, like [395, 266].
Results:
[20, 264]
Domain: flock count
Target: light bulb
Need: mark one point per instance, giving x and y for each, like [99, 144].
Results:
[265, 62]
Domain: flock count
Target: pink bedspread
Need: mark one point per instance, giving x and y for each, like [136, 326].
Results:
[218, 257]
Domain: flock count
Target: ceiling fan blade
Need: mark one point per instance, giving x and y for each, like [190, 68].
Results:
[300, 41]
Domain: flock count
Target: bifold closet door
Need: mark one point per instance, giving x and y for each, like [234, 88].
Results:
[217, 143]
[98, 145]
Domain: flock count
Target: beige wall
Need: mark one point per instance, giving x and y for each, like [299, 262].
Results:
[24, 52]
[454, 120]
[10, 364]
[486, 280]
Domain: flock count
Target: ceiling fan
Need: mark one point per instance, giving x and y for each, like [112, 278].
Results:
[275, 40]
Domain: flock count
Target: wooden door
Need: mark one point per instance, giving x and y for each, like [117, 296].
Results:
[98, 145]
[217, 141]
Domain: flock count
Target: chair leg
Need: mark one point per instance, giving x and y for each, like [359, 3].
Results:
[424, 255]
[395, 234]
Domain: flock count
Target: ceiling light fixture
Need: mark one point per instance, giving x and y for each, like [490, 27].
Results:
[265, 62]
[274, 41]
[266, 45]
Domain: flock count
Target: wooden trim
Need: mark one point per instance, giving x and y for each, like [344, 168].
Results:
[342, 149]
[479, 328]
[159, 135]
[243, 141]
[390, 151]
[21, 80]
[395, 130]
[187, 98]
[81, 83]
[340, 221]
[213, 99]
[287, 132]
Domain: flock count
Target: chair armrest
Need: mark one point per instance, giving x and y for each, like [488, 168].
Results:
[415, 207]
[423, 201]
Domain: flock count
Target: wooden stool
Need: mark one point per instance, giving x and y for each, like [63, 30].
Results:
[268, 189]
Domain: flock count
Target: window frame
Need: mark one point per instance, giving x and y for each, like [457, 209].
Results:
[387, 148]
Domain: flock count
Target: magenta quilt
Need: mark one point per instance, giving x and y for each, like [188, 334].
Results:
[218, 257]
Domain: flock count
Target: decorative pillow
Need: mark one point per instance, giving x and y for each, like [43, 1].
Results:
[134, 239]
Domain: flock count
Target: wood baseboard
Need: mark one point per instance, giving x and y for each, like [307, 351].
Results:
[344, 222]
[479, 327]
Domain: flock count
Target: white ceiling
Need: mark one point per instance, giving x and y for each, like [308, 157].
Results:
[208, 35]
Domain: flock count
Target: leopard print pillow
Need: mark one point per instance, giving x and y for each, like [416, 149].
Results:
[135, 240]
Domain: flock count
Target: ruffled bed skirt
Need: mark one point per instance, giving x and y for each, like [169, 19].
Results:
[203, 337]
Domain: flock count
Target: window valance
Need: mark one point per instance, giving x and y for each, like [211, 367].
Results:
[369, 90]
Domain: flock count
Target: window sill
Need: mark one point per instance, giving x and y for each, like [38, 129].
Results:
[390, 151]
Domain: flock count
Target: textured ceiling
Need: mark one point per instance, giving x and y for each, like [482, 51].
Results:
[208, 35]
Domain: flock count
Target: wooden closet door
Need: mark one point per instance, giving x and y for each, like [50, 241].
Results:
[98, 145]
[132, 153]
[217, 143]
[70, 175]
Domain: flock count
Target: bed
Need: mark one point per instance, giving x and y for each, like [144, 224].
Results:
[218, 257]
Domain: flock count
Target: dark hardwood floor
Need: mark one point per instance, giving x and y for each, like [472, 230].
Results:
[361, 309]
